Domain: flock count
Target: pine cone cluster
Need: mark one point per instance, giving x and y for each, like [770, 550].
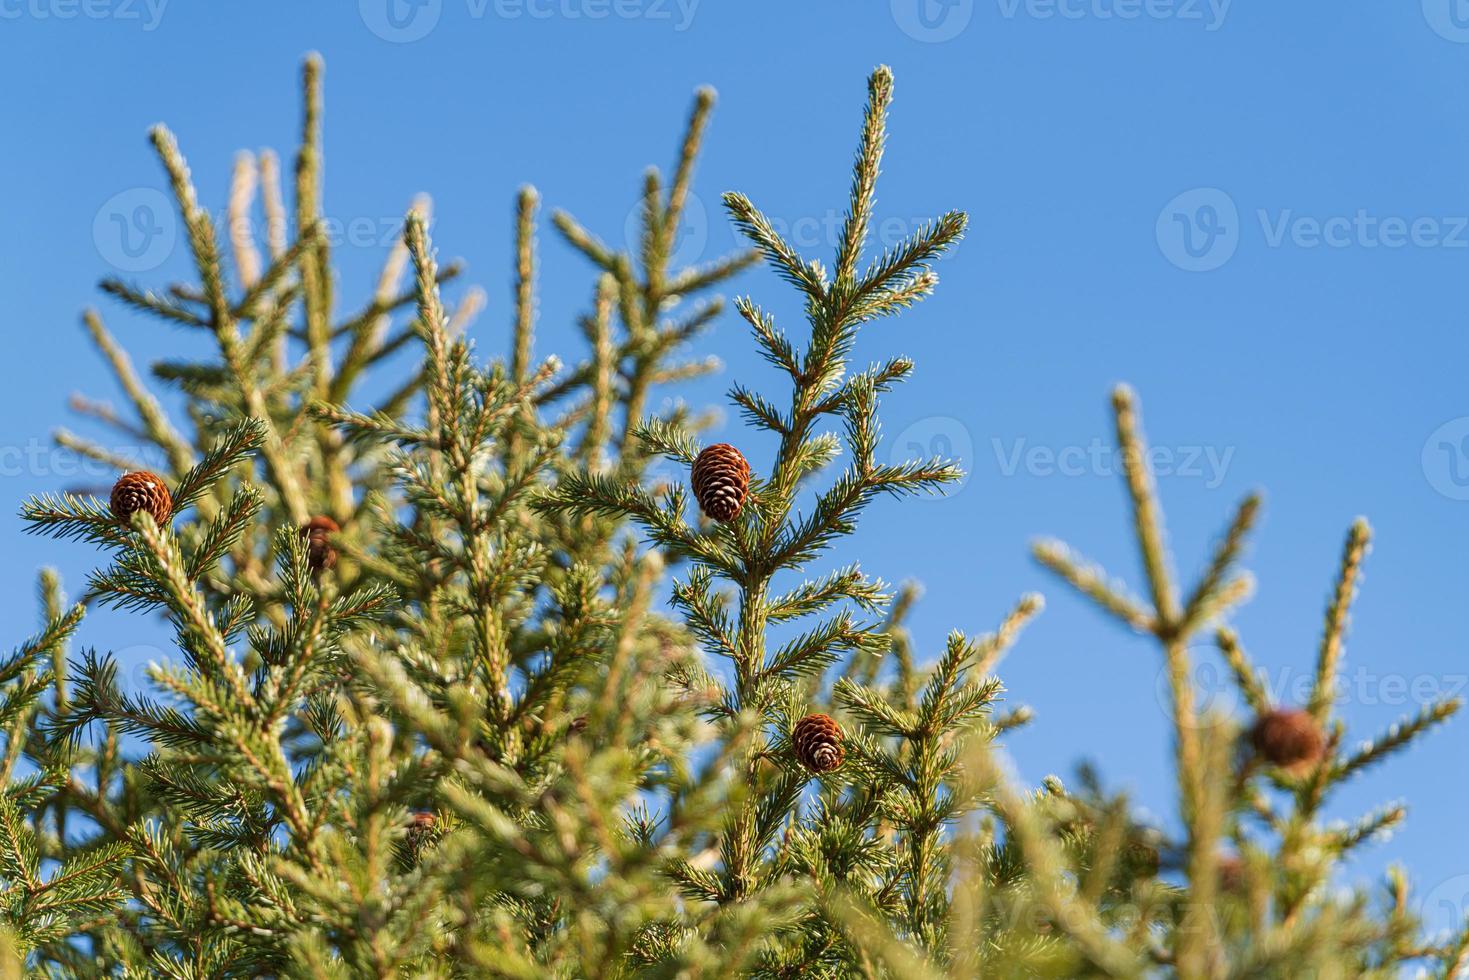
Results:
[320, 555]
[721, 478]
[817, 740]
[141, 491]
[1289, 738]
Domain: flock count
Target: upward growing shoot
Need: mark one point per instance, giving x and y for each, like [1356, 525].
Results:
[770, 536]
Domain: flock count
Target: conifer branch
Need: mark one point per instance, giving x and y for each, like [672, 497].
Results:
[1245, 675]
[1146, 519]
[1334, 633]
[155, 422]
[243, 183]
[1205, 593]
[525, 311]
[1091, 581]
[1396, 737]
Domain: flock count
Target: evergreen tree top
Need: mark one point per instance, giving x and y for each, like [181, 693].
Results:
[460, 688]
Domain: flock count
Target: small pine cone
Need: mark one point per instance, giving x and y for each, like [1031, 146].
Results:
[1142, 858]
[1289, 738]
[320, 555]
[422, 831]
[818, 743]
[141, 491]
[1231, 868]
[721, 478]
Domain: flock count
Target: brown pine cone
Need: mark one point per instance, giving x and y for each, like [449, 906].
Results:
[1142, 858]
[423, 829]
[141, 491]
[818, 743]
[320, 555]
[1289, 738]
[721, 478]
[1231, 869]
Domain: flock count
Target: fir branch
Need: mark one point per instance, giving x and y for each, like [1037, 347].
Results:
[252, 303]
[812, 597]
[69, 518]
[864, 175]
[155, 422]
[1205, 594]
[1245, 675]
[1396, 737]
[1146, 519]
[1333, 635]
[242, 195]
[150, 302]
[234, 445]
[901, 274]
[525, 312]
[1092, 581]
[756, 227]
[774, 345]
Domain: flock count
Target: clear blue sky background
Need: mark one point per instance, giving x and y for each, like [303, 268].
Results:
[1320, 362]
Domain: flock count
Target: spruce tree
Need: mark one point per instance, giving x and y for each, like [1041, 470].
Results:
[461, 688]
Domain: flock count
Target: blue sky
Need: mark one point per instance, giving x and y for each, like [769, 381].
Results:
[1256, 214]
